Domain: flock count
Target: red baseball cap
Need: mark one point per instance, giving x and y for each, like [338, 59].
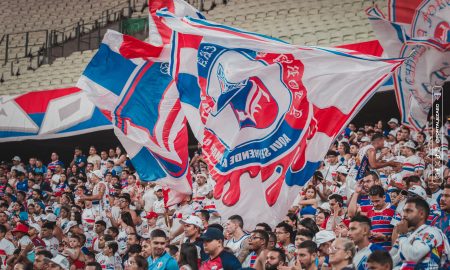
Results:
[151, 215]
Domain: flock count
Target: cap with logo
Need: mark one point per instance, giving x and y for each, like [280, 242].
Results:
[193, 220]
[212, 234]
[419, 191]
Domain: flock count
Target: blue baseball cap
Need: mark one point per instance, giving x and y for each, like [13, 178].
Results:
[212, 234]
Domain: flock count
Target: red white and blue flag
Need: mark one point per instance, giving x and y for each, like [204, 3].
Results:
[265, 112]
[49, 114]
[423, 20]
[159, 33]
[145, 109]
[427, 63]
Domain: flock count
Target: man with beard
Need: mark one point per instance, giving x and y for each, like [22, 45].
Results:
[218, 257]
[307, 255]
[418, 246]
[443, 220]
[257, 244]
[359, 232]
[275, 259]
[360, 202]
[159, 258]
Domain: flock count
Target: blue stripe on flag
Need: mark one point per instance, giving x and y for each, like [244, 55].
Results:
[147, 94]
[189, 89]
[147, 166]
[301, 177]
[109, 69]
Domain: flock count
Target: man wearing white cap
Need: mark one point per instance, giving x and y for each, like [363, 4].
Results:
[200, 188]
[99, 195]
[323, 240]
[16, 165]
[159, 206]
[393, 125]
[412, 164]
[193, 227]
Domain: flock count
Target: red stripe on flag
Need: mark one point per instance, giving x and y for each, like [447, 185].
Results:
[135, 48]
[37, 102]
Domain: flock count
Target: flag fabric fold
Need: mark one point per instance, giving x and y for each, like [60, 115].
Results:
[263, 109]
[427, 63]
[145, 109]
[159, 33]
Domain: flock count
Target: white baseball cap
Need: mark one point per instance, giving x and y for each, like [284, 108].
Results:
[323, 237]
[393, 120]
[419, 191]
[365, 139]
[36, 227]
[410, 144]
[16, 158]
[61, 261]
[69, 225]
[50, 217]
[157, 188]
[342, 169]
[193, 220]
[98, 173]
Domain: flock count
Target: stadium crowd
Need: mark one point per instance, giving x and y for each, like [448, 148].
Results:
[380, 200]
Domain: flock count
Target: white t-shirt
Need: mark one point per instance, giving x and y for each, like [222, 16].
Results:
[6, 249]
[52, 245]
[122, 241]
[109, 263]
[149, 198]
[94, 159]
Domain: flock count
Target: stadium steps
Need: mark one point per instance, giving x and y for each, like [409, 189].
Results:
[302, 22]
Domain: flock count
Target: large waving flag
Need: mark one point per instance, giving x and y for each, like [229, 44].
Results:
[145, 109]
[423, 20]
[268, 110]
[159, 33]
[427, 67]
[49, 114]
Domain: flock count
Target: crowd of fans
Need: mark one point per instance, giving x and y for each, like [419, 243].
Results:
[380, 200]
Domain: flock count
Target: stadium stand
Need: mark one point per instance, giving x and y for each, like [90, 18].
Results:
[323, 23]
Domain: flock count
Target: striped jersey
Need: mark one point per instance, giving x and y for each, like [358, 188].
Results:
[361, 256]
[365, 204]
[381, 223]
[250, 261]
[411, 165]
[423, 248]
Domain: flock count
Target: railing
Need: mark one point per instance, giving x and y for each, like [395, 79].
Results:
[57, 37]
[75, 37]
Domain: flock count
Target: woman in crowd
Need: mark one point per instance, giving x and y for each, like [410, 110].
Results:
[188, 257]
[342, 251]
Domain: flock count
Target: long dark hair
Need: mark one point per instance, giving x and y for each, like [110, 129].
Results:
[189, 256]
[127, 219]
[141, 262]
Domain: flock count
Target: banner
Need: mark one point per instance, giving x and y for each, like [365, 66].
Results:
[145, 110]
[49, 114]
[423, 20]
[263, 109]
[426, 66]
